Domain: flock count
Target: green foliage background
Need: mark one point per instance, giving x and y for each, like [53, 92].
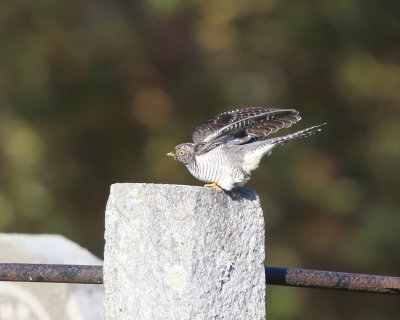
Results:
[95, 92]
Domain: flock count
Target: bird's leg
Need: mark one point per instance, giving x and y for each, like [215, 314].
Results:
[214, 185]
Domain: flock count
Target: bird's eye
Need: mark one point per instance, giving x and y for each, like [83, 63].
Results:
[181, 152]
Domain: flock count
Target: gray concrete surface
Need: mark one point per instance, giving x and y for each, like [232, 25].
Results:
[183, 252]
[47, 301]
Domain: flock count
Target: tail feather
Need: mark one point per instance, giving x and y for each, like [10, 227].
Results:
[254, 152]
[297, 135]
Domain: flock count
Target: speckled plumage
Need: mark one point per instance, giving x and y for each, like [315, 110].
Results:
[228, 147]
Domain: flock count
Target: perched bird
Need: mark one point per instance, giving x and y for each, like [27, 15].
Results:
[227, 148]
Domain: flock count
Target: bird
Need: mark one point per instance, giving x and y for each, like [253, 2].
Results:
[227, 148]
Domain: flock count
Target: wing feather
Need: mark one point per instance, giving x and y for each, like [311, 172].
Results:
[242, 125]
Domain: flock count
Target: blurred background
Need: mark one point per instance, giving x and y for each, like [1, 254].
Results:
[96, 92]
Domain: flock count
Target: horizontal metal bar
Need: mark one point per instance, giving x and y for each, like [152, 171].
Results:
[332, 280]
[274, 276]
[51, 273]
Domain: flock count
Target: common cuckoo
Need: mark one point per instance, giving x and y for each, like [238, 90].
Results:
[227, 148]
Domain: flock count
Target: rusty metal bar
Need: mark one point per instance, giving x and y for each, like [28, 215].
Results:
[332, 280]
[274, 276]
[51, 273]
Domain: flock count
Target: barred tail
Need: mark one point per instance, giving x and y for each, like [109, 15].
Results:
[278, 141]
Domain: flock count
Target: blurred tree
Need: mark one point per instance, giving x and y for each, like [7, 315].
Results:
[93, 93]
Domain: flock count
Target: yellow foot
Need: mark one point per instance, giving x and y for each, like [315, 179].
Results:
[214, 185]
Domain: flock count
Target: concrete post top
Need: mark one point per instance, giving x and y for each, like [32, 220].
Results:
[176, 192]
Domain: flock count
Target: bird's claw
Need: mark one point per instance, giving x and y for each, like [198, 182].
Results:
[213, 185]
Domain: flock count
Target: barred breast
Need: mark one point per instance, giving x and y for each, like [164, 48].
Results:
[217, 166]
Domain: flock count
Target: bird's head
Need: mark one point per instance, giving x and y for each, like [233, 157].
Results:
[183, 152]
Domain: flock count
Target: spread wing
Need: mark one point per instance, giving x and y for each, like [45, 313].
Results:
[242, 125]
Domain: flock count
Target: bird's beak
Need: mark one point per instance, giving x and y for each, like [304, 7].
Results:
[171, 154]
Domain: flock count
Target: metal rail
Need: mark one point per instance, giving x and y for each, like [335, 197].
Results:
[332, 280]
[51, 273]
[274, 275]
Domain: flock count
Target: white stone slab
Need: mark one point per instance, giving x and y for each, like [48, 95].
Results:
[47, 301]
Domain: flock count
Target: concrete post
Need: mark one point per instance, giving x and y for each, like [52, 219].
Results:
[183, 252]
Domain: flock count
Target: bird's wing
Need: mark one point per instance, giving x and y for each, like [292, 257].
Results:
[239, 126]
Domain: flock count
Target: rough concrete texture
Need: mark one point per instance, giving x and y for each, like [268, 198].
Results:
[47, 301]
[183, 252]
